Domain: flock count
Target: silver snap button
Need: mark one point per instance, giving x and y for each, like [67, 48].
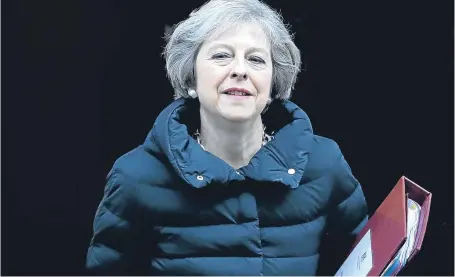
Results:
[238, 173]
[200, 178]
[291, 171]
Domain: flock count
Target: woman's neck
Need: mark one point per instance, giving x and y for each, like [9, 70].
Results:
[234, 142]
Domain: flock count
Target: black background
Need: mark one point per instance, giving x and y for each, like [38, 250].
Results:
[83, 82]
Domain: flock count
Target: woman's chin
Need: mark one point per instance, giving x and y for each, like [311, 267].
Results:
[237, 114]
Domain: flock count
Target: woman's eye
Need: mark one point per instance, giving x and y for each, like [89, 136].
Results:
[255, 59]
[220, 56]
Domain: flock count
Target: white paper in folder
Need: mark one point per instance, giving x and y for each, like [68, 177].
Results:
[360, 261]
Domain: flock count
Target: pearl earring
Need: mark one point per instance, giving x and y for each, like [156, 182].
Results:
[269, 101]
[192, 93]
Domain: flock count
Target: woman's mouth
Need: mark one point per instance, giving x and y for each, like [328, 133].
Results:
[236, 93]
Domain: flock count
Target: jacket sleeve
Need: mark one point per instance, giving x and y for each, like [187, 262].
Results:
[351, 211]
[114, 247]
[346, 218]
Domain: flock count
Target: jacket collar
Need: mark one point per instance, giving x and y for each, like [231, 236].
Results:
[281, 160]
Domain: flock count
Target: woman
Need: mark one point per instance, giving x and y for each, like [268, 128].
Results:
[231, 179]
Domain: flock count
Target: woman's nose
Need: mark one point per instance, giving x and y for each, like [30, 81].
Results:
[239, 75]
[239, 71]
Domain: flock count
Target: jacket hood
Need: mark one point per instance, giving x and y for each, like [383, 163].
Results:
[281, 160]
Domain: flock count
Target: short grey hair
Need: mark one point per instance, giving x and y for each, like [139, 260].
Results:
[213, 18]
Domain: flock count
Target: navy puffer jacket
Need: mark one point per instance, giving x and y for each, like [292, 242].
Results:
[171, 208]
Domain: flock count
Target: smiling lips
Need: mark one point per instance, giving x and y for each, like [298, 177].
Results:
[237, 92]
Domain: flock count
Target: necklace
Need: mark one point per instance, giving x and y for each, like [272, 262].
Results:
[265, 137]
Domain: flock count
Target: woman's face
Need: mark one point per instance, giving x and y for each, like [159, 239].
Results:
[234, 74]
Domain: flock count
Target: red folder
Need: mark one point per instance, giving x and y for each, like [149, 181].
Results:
[387, 226]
